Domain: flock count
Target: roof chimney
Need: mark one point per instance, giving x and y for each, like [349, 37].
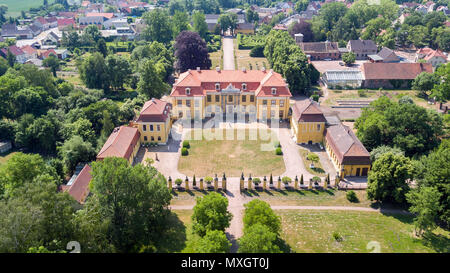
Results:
[244, 70]
[153, 99]
[198, 68]
[263, 69]
[217, 69]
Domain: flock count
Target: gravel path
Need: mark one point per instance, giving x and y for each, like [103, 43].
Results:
[228, 53]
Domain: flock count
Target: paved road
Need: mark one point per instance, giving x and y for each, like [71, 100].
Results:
[228, 53]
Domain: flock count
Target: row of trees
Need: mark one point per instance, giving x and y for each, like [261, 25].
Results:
[286, 58]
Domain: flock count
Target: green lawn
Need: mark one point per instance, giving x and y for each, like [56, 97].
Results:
[209, 157]
[312, 231]
[318, 170]
[329, 197]
[16, 6]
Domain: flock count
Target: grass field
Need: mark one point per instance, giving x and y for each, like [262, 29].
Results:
[329, 197]
[318, 170]
[216, 59]
[312, 231]
[209, 157]
[16, 6]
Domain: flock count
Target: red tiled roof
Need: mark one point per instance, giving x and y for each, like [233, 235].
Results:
[79, 189]
[394, 71]
[120, 143]
[14, 50]
[104, 14]
[346, 146]
[155, 110]
[203, 81]
[66, 22]
[29, 50]
[47, 53]
[435, 53]
[307, 111]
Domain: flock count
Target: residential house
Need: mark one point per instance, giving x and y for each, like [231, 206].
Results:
[386, 55]
[154, 121]
[433, 57]
[31, 52]
[245, 28]
[203, 93]
[62, 53]
[115, 23]
[46, 23]
[91, 20]
[362, 48]
[50, 39]
[66, 23]
[123, 142]
[392, 75]
[321, 50]
[12, 31]
[21, 57]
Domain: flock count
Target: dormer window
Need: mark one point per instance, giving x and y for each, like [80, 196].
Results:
[217, 86]
[274, 91]
[244, 86]
[188, 91]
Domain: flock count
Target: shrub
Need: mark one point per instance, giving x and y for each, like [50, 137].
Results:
[312, 157]
[178, 181]
[362, 93]
[186, 144]
[316, 179]
[256, 181]
[315, 97]
[337, 237]
[278, 151]
[351, 196]
[208, 179]
[286, 180]
[184, 151]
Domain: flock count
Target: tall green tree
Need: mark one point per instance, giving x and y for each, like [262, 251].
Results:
[159, 26]
[150, 82]
[258, 238]
[210, 213]
[135, 202]
[388, 180]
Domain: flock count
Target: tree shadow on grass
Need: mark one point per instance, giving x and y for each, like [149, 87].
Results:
[438, 242]
[173, 237]
[284, 247]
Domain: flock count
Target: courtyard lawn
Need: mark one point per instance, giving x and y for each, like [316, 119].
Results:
[318, 170]
[312, 231]
[243, 59]
[329, 197]
[209, 157]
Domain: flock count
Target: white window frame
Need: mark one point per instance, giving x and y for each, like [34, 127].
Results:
[274, 91]
[244, 86]
[188, 91]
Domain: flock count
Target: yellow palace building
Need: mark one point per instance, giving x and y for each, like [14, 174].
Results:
[201, 93]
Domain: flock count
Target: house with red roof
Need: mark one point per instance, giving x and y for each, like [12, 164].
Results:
[123, 142]
[30, 51]
[433, 57]
[21, 56]
[154, 121]
[65, 23]
[78, 185]
[202, 93]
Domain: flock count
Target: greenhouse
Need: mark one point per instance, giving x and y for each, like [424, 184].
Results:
[343, 79]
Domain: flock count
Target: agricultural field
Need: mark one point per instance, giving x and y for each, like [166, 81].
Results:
[16, 6]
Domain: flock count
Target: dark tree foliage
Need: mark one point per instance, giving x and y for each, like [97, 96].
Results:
[191, 52]
[304, 28]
